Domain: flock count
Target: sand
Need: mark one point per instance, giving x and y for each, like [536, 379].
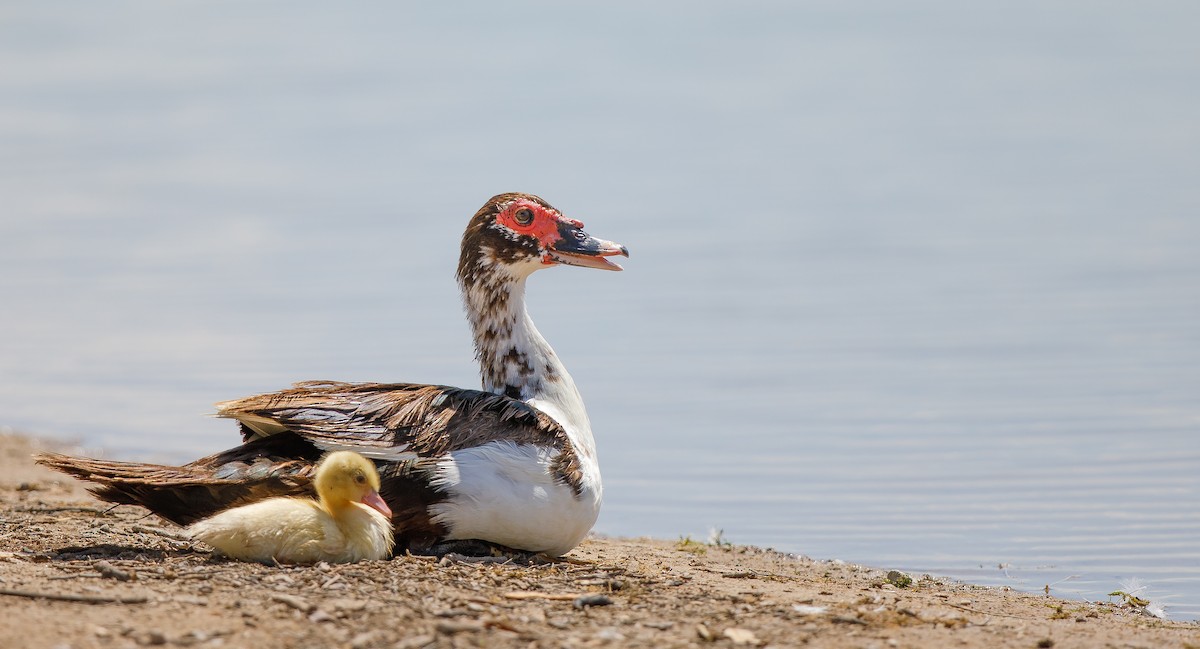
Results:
[74, 573]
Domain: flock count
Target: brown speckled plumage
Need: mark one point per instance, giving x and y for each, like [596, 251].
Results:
[280, 465]
[428, 420]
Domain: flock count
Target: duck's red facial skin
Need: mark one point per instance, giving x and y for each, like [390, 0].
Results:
[530, 228]
[532, 219]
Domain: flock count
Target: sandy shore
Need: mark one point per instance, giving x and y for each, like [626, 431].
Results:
[76, 574]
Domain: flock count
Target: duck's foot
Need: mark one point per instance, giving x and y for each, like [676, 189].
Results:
[478, 551]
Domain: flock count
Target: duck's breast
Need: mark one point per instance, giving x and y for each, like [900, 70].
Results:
[507, 493]
[367, 535]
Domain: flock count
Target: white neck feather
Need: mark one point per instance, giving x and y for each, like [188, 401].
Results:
[515, 360]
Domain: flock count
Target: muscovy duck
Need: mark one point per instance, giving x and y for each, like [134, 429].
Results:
[513, 464]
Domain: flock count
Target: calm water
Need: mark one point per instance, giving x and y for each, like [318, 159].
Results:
[912, 287]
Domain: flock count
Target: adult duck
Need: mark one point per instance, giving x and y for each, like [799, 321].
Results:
[512, 465]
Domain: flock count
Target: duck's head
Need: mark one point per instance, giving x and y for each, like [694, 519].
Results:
[516, 234]
[347, 477]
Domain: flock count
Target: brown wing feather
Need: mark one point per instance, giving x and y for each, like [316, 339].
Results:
[428, 420]
[278, 466]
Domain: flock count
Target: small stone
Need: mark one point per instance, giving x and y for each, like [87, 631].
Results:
[536, 615]
[364, 640]
[609, 634]
[585, 601]
[450, 612]
[319, 616]
[152, 638]
[809, 609]
[742, 637]
[109, 571]
[191, 637]
[451, 628]
[704, 633]
[416, 642]
[343, 604]
[298, 603]
[899, 579]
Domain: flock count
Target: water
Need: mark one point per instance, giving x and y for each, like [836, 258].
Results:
[911, 286]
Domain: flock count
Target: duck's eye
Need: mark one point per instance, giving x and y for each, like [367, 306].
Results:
[523, 216]
[360, 478]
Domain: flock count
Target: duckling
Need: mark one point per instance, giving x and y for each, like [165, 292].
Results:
[348, 522]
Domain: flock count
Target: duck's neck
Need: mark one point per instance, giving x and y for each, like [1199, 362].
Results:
[514, 359]
[335, 507]
[344, 511]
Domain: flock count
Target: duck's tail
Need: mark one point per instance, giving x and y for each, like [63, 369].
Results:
[185, 494]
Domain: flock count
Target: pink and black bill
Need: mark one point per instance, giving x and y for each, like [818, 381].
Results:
[578, 248]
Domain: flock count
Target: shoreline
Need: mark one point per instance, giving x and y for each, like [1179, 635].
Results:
[75, 573]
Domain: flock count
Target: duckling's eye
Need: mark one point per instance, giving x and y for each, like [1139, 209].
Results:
[360, 478]
[523, 216]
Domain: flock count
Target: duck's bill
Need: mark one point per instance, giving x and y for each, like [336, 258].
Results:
[374, 501]
[578, 248]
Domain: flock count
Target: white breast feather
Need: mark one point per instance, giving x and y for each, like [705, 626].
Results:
[506, 493]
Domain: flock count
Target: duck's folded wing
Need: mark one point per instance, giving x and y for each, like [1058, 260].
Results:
[392, 421]
[276, 466]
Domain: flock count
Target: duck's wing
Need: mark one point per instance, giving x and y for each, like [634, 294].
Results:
[393, 421]
[281, 465]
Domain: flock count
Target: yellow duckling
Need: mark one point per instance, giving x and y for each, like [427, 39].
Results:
[349, 523]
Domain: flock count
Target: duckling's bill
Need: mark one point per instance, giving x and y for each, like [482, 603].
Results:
[373, 500]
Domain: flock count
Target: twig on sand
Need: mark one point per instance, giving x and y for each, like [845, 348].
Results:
[55, 510]
[564, 597]
[298, 603]
[69, 597]
[741, 574]
[174, 536]
[968, 609]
